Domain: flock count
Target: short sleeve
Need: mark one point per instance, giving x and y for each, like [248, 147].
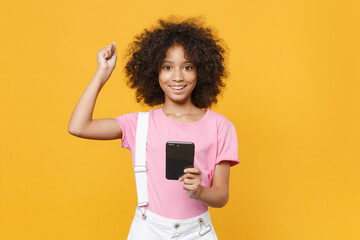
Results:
[227, 144]
[127, 124]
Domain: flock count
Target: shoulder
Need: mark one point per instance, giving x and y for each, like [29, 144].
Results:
[132, 117]
[127, 117]
[156, 113]
[127, 121]
[220, 119]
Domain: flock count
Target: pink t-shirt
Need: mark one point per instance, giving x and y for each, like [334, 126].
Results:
[215, 140]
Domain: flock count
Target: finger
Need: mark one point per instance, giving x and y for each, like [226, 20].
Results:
[111, 45]
[104, 53]
[190, 188]
[112, 48]
[182, 177]
[115, 51]
[192, 170]
[191, 176]
[108, 51]
[192, 181]
[187, 182]
[114, 54]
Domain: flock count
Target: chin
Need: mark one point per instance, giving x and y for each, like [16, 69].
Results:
[179, 100]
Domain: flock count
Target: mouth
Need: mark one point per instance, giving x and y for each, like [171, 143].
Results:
[180, 87]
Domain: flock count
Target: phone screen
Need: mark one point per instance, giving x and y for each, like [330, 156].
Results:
[179, 155]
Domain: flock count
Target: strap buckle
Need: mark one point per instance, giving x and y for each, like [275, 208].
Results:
[139, 168]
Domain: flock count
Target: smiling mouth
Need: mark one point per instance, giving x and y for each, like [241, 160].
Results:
[178, 87]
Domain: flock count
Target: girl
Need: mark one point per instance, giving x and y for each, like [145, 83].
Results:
[180, 66]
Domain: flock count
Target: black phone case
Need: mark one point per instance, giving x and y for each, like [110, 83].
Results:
[179, 155]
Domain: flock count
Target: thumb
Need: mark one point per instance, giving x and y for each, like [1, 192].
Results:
[113, 48]
[113, 57]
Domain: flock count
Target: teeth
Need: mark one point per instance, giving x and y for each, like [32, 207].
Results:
[178, 87]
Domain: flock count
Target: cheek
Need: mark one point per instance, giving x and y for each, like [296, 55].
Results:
[163, 77]
[194, 80]
[194, 77]
[162, 83]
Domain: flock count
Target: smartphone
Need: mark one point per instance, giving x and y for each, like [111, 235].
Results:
[179, 155]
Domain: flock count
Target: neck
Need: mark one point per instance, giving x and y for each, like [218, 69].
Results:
[178, 108]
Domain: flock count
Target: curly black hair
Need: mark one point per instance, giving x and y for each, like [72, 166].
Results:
[147, 52]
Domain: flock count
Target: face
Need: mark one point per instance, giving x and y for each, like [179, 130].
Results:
[177, 76]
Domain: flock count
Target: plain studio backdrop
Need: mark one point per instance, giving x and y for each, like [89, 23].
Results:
[293, 96]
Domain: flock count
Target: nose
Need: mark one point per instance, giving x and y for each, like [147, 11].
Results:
[178, 75]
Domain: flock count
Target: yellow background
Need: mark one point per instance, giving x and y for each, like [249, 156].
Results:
[293, 96]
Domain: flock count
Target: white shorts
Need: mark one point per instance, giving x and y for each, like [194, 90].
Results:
[155, 227]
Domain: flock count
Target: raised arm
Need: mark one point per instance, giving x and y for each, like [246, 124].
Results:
[81, 123]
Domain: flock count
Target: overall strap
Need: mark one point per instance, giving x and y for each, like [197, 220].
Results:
[140, 159]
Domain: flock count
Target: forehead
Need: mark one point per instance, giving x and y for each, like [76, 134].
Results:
[176, 53]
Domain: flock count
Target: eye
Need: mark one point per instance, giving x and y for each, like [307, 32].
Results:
[167, 67]
[188, 67]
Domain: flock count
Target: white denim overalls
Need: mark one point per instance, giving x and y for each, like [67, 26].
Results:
[150, 226]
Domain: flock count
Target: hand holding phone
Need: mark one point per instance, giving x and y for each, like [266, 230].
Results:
[193, 185]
